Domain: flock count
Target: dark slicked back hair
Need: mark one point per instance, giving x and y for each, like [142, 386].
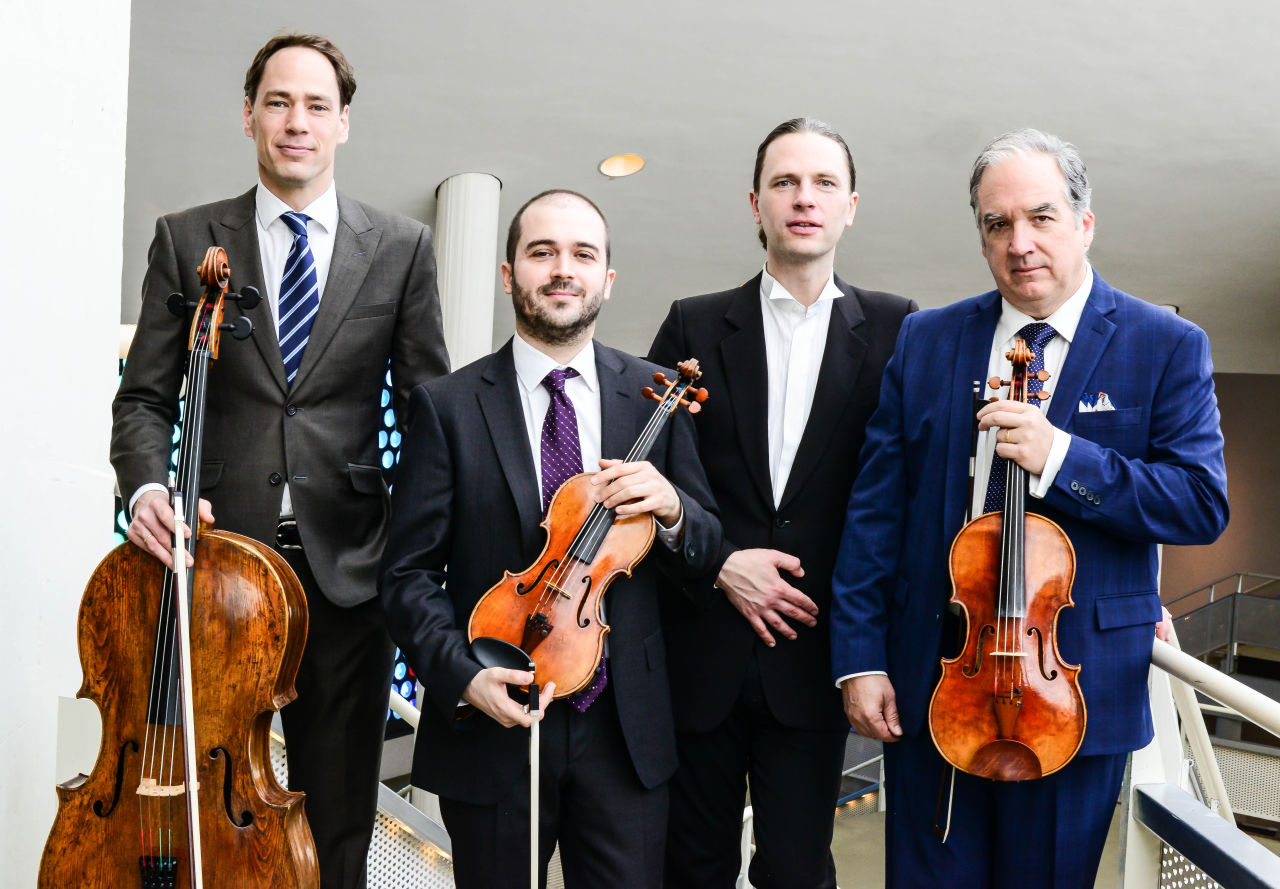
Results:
[323, 45]
[513, 233]
[800, 125]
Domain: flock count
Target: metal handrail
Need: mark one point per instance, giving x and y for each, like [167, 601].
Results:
[1238, 583]
[1251, 704]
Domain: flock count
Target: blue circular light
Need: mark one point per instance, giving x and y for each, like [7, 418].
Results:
[401, 670]
[406, 690]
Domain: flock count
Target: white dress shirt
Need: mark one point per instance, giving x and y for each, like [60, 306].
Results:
[795, 338]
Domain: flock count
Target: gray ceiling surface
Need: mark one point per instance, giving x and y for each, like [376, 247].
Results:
[1173, 104]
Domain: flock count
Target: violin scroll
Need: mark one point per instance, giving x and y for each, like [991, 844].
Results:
[680, 392]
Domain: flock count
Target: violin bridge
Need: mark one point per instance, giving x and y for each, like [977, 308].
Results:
[1008, 654]
[152, 787]
[555, 589]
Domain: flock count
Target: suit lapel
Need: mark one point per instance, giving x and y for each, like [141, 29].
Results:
[972, 358]
[617, 422]
[236, 233]
[1092, 335]
[504, 417]
[842, 358]
[746, 379]
[354, 245]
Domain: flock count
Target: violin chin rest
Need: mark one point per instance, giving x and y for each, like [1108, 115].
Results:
[491, 651]
[1005, 760]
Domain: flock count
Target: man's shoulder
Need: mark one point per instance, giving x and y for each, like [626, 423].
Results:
[239, 206]
[719, 301]
[1134, 312]
[361, 216]
[879, 302]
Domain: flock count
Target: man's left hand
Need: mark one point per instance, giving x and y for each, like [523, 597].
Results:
[635, 488]
[1164, 629]
[1023, 435]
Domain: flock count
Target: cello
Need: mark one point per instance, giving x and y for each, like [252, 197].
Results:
[186, 668]
[551, 610]
[1007, 707]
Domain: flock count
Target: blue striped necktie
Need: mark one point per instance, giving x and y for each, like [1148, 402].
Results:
[299, 295]
[1036, 335]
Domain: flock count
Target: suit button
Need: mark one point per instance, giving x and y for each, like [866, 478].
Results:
[291, 410]
[1075, 486]
[1097, 501]
[275, 478]
[781, 522]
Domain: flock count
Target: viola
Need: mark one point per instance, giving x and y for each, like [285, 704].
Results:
[186, 668]
[551, 610]
[1007, 707]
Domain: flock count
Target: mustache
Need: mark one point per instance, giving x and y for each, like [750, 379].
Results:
[560, 284]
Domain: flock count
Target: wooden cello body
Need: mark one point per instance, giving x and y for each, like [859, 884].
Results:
[1008, 707]
[186, 669]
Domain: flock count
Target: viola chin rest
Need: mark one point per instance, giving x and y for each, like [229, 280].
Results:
[493, 652]
[1005, 760]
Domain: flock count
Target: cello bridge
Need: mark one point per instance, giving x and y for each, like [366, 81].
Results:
[152, 787]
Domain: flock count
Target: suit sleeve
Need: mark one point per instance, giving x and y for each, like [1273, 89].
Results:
[420, 614]
[669, 348]
[700, 541]
[870, 546]
[146, 404]
[1177, 493]
[418, 350]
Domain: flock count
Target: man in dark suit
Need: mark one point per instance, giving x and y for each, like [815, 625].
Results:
[467, 508]
[795, 356]
[1126, 455]
[290, 446]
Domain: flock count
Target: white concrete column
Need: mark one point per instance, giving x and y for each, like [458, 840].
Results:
[60, 262]
[466, 240]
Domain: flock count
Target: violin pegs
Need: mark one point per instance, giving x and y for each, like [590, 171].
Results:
[698, 395]
[992, 400]
[660, 379]
[648, 392]
[1042, 375]
[694, 408]
[995, 382]
[1043, 396]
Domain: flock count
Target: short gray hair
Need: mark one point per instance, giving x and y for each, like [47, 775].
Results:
[1031, 141]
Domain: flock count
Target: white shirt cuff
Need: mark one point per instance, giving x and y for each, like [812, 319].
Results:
[840, 681]
[670, 537]
[152, 486]
[1039, 485]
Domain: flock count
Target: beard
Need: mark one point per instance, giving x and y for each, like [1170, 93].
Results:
[539, 322]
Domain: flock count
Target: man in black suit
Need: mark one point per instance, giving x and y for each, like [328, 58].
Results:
[290, 446]
[467, 508]
[796, 355]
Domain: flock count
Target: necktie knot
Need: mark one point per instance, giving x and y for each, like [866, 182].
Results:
[297, 223]
[1037, 335]
[554, 381]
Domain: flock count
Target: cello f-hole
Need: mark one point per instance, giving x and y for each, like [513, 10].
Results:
[98, 808]
[1040, 654]
[245, 818]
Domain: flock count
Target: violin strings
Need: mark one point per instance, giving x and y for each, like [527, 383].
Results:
[600, 519]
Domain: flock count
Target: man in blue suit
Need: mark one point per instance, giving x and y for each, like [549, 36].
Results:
[1126, 455]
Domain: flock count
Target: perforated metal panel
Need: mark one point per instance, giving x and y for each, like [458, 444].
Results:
[1178, 873]
[1252, 779]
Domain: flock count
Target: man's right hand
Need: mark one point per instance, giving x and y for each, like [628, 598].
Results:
[871, 706]
[752, 580]
[487, 692]
[152, 525]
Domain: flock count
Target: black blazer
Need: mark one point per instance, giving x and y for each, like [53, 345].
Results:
[710, 646]
[466, 507]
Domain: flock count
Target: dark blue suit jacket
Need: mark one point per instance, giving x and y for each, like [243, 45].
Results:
[1148, 472]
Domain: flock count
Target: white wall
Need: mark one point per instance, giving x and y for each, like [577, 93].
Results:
[62, 193]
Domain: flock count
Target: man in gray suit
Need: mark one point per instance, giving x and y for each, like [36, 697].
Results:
[290, 445]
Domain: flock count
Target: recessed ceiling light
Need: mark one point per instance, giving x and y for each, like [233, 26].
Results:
[621, 165]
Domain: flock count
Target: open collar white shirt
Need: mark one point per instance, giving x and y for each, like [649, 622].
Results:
[795, 339]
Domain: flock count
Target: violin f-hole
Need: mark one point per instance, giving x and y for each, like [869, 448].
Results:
[970, 672]
[1040, 654]
[521, 589]
[584, 621]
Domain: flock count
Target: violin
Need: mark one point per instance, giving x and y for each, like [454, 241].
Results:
[1007, 707]
[551, 610]
[186, 668]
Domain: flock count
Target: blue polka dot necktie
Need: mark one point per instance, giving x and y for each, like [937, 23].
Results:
[1037, 336]
[299, 295]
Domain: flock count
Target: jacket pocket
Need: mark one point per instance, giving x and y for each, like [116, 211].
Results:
[1127, 610]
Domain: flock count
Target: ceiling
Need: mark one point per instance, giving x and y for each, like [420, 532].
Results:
[1172, 102]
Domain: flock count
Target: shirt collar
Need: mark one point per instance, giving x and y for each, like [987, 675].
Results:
[1064, 321]
[772, 289]
[323, 210]
[533, 365]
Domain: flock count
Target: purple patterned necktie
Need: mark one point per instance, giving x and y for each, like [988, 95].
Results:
[1037, 335]
[561, 460]
[561, 449]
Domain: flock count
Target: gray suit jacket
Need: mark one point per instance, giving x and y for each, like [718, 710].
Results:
[380, 306]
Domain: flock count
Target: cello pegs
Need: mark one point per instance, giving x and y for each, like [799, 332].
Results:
[178, 304]
[248, 297]
[240, 328]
